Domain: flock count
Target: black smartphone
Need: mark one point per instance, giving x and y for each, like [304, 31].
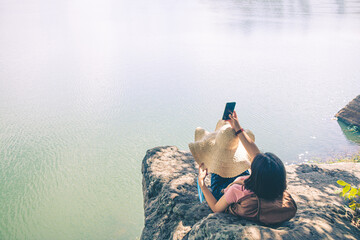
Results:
[229, 109]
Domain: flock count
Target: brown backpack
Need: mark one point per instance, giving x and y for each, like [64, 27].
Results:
[267, 212]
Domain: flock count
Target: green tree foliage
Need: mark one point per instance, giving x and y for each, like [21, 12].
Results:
[350, 193]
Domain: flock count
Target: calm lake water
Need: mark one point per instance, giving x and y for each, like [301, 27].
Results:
[86, 87]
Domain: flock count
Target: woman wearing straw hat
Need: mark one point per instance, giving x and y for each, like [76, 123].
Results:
[268, 176]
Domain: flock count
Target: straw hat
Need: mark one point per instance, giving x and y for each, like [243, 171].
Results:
[221, 151]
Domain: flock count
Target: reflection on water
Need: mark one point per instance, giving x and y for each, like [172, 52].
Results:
[86, 87]
[351, 132]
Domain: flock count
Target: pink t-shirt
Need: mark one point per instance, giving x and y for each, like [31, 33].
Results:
[236, 191]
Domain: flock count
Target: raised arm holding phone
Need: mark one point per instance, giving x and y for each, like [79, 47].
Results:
[221, 204]
[249, 144]
[267, 180]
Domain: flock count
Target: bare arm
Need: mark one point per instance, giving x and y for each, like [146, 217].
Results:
[216, 206]
[249, 145]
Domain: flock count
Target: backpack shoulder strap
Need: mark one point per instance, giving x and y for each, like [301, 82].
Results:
[259, 208]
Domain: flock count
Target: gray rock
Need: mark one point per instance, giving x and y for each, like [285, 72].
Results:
[350, 114]
[173, 211]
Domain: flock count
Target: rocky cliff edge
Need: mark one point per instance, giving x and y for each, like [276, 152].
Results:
[173, 211]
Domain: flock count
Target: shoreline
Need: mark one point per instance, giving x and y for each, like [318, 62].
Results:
[353, 157]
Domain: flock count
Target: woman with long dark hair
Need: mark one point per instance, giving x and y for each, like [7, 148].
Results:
[267, 179]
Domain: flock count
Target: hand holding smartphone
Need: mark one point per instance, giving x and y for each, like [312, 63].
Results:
[229, 109]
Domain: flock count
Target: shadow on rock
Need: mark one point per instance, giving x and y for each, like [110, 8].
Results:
[173, 211]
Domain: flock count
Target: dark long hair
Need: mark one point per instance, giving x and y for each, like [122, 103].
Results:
[268, 176]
